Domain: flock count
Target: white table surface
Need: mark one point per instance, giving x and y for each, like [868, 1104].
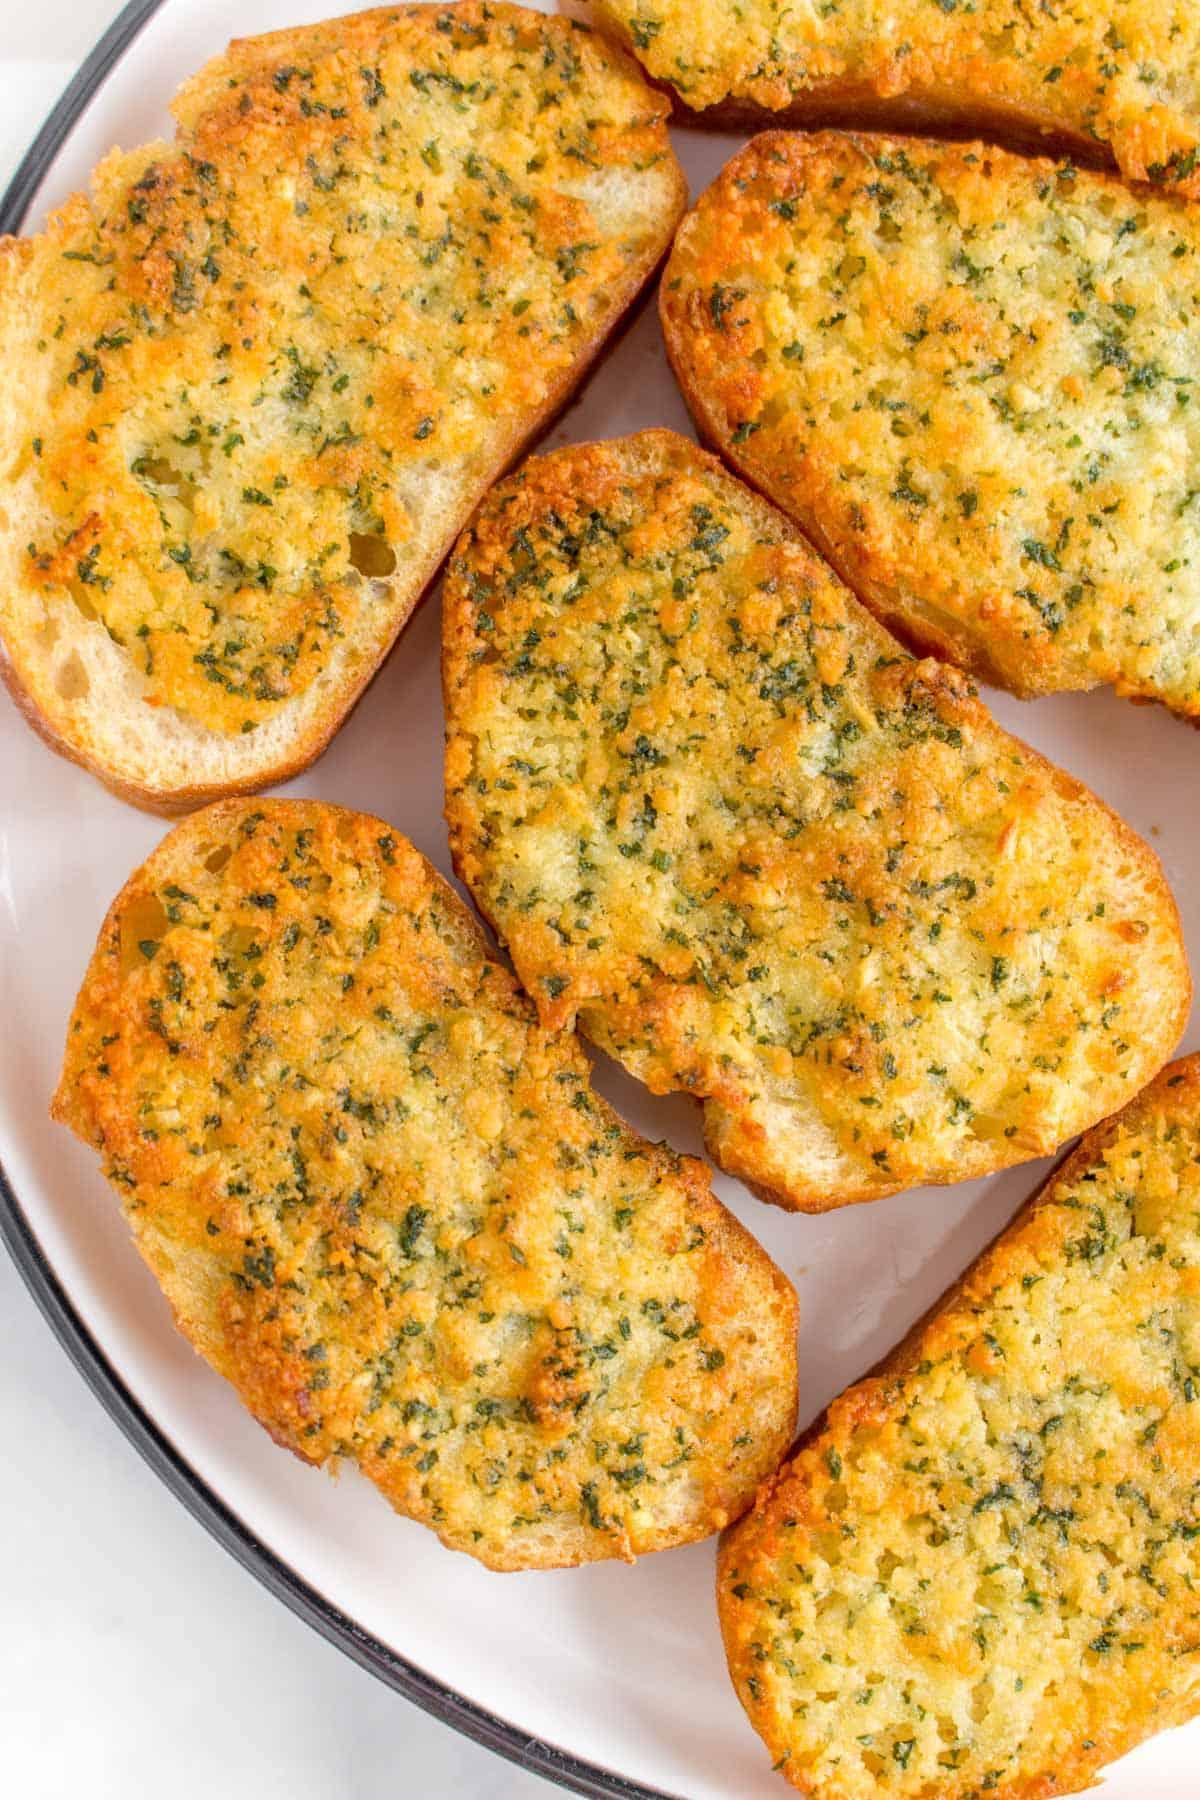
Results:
[136, 1658]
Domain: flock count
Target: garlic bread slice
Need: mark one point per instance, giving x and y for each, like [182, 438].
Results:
[1107, 80]
[388, 1207]
[980, 1573]
[974, 381]
[728, 824]
[266, 371]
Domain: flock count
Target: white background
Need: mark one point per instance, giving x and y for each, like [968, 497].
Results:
[136, 1658]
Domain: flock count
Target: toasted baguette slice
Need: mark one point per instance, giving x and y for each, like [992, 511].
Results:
[721, 818]
[974, 380]
[266, 371]
[387, 1206]
[1107, 80]
[980, 1574]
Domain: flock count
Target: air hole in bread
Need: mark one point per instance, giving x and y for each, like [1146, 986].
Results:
[372, 555]
[981, 1700]
[242, 940]
[143, 925]
[215, 861]
[71, 678]
[162, 473]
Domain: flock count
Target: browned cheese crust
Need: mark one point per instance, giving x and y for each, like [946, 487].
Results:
[1117, 80]
[979, 1574]
[387, 1206]
[971, 378]
[268, 368]
[720, 817]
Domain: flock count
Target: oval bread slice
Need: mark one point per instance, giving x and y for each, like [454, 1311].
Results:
[973, 380]
[980, 1574]
[1106, 79]
[387, 1206]
[721, 818]
[267, 370]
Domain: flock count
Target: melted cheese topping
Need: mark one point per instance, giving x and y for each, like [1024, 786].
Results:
[389, 1208]
[975, 378]
[1125, 73]
[982, 1575]
[255, 361]
[766, 857]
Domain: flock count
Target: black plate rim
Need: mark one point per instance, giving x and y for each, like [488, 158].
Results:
[118, 1400]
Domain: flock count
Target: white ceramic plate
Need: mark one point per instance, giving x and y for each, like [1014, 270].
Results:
[610, 1679]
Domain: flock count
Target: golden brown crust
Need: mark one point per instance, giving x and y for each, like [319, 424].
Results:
[1114, 1227]
[1108, 82]
[388, 1208]
[211, 590]
[176, 801]
[850, 106]
[763, 857]
[967, 377]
